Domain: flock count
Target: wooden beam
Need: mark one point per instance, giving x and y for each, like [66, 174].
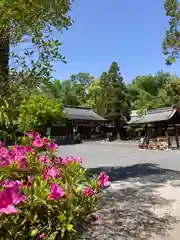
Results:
[168, 139]
[176, 136]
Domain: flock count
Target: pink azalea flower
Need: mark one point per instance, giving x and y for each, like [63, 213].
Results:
[43, 159]
[9, 209]
[79, 159]
[89, 191]
[52, 146]
[103, 180]
[28, 148]
[57, 192]
[45, 140]
[1, 144]
[9, 198]
[33, 135]
[38, 142]
[42, 236]
[51, 172]
[9, 183]
[59, 160]
[69, 160]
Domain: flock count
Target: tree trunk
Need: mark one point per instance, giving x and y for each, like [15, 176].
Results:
[4, 58]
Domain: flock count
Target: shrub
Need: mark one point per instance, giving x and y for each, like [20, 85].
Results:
[44, 196]
[38, 112]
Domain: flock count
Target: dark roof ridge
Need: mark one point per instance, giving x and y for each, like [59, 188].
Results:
[78, 107]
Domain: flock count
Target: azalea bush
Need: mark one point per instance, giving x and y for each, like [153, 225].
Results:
[43, 196]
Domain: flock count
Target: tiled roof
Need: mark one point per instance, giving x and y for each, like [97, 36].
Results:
[80, 113]
[155, 115]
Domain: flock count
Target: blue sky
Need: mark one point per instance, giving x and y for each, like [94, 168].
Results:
[126, 31]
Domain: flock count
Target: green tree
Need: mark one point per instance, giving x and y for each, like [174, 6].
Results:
[171, 43]
[173, 91]
[94, 93]
[114, 97]
[82, 78]
[150, 91]
[38, 113]
[65, 91]
[23, 21]
[34, 19]
[81, 81]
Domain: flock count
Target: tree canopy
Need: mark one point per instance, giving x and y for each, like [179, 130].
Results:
[171, 43]
[39, 112]
[29, 21]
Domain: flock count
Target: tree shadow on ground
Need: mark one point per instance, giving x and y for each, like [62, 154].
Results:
[128, 207]
[137, 170]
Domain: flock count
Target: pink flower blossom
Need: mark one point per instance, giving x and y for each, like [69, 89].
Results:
[9, 209]
[38, 142]
[33, 135]
[57, 192]
[89, 191]
[29, 148]
[16, 155]
[103, 180]
[79, 159]
[51, 172]
[42, 236]
[45, 140]
[10, 197]
[52, 146]
[69, 160]
[43, 159]
[9, 183]
[58, 160]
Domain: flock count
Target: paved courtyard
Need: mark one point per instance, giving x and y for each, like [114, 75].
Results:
[143, 201]
[121, 154]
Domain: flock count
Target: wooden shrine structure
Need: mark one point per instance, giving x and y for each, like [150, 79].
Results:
[79, 120]
[159, 123]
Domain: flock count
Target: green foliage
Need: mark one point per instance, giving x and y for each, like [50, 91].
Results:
[81, 82]
[33, 22]
[173, 91]
[73, 91]
[114, 100]
[171, 43]
[151, 91]
[38, 112]
[65, 91]
[94, 93]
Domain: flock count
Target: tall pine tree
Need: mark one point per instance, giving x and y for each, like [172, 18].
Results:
[114, 98]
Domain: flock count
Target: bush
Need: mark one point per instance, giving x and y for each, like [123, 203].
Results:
[44, 196]
[38, 112]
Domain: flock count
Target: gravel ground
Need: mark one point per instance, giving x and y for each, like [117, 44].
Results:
[135, 208]
[143, 201]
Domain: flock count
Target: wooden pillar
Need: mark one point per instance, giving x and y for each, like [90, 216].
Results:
[168, 140]
[176, 136]
[146, 133]
[167, 137]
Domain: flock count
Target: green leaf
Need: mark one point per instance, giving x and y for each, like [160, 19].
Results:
[34, 232]
[70, 227]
